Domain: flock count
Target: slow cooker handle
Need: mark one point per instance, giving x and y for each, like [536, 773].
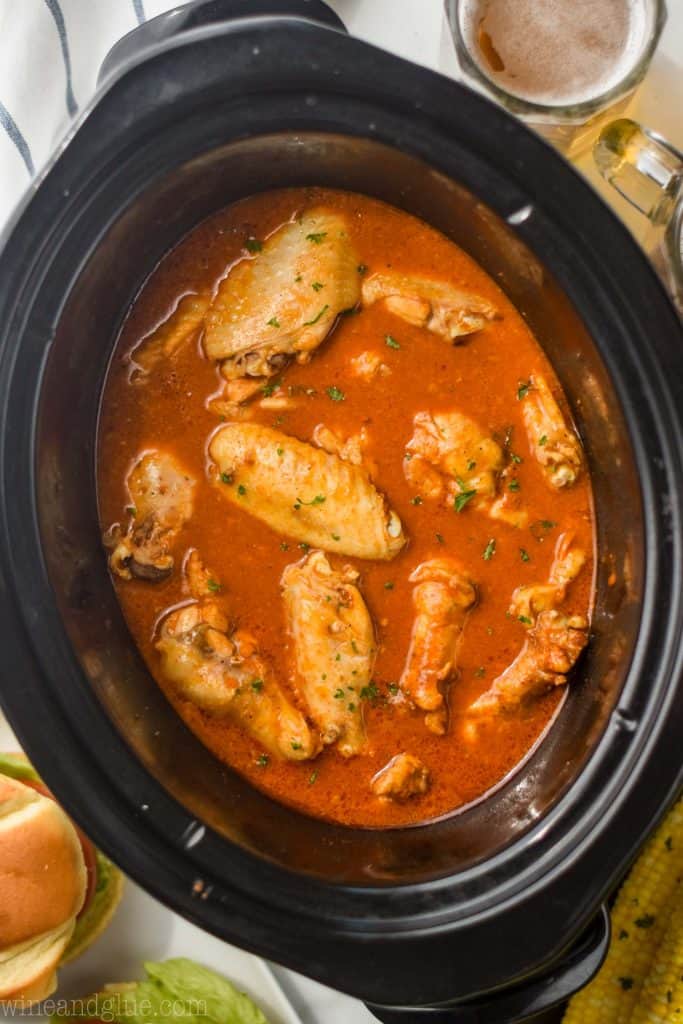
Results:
[208, 12]
[523, 1001]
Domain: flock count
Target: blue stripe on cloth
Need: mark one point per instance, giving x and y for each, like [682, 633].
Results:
[139, 11]
[10, 126]
[56, 12]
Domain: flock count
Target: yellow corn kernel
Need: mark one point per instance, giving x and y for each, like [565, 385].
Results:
[640, 920]
[661, 1001]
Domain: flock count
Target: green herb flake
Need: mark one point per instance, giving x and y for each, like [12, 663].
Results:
[646, 921]
[298, 278]
[489, 550]
[280, 452]
[131, 510]
[391, 342]
[471, 464]
[214, 586]
[318, 500]
[273, 322]
[668, 842]
[316, 237]
[304, 546]
[284, 546]
[262, 760]
[296, 745]
[439, 538]
[462, 499]
[241, 489]
[626, 983]
[354, 647]
[317, 285]
[362, 268]
[513, 485]
[227, 478]
[523, 390]
[543, 440]
[257, 685]
[480, 672]
[339, 694]
[253, 245]
[623, 934]
[268, 389]
[351, 707]
[516, 458]
[369, 692]
[313, 778]
[525, 619]
[393, 689]
[541, 527]
[335, 536]
[524, 555]
[309, 323]
[388, 585]
[335, 393]
[417, 500]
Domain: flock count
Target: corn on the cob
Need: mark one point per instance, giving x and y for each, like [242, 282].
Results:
[661, 1001]
[640, 919]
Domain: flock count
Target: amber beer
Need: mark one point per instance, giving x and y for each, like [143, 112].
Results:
[556, 62]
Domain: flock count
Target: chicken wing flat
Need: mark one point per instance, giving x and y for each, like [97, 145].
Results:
[161, 502]
[554, 445]
[165, 340]
[283, 301]
[304, 492]
[442, 597]
[424, 302]
[550, 650]
[450, 457]
[403, 777]
[530, 600]
[225, 675]
[334, 647]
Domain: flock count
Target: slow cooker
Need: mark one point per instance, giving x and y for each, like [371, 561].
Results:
[488, 915]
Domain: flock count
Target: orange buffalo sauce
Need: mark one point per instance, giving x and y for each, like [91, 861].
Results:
[479, 377]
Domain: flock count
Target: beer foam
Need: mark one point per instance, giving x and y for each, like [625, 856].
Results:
[556, 52]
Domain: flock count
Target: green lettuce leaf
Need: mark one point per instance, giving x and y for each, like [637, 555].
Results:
[174, 991]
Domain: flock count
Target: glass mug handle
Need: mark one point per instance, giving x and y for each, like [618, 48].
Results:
[642, 166]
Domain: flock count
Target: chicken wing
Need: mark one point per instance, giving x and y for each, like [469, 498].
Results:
[161, 502]
[284, 301]
[449, 457]
[550, 650]
[166, 339]
[437, 305]
[224, 674]
[442, 597]
[530, 600]
[334, 646]
[304, 492]
[403, 777]
[554, 445]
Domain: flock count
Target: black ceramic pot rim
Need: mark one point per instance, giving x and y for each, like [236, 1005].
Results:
[587, 838]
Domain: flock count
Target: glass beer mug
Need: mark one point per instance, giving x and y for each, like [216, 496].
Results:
[648, 171]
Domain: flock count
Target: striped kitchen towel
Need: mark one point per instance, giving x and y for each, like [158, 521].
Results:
[50, 54]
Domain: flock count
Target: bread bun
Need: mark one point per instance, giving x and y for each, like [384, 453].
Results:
[42, 888]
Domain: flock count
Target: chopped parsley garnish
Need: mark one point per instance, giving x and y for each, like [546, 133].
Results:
[408, 456]
[335, 393]
[417, 500]
[369, 692]
[284, 546]
[241, 489]
[543, 440]
[257, 685]
[318, 500]
[317, 285]
[316, 237]
[309, 323]
[227, 478]
[439, 538]
[362, 268]
[280, 451]
[480, 672]
[471, 464]
[313, 779]
[516, 458]
[524, 555]
[351, 707]
[646, 921]
[525, 619]
[262, 760]
[269, 388]
[273, 322]
[541, 527]
[131, 510]
[489, 550]
[523, 390]
[335, 536]
[388, 585]
[514, 485]
[354, 647]
[304, 546]
[213, 586]
[393, 688]
[462, 499]
[295, 745]
[339, 694]
[297, 278]
[253, 245]
[391, 342]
